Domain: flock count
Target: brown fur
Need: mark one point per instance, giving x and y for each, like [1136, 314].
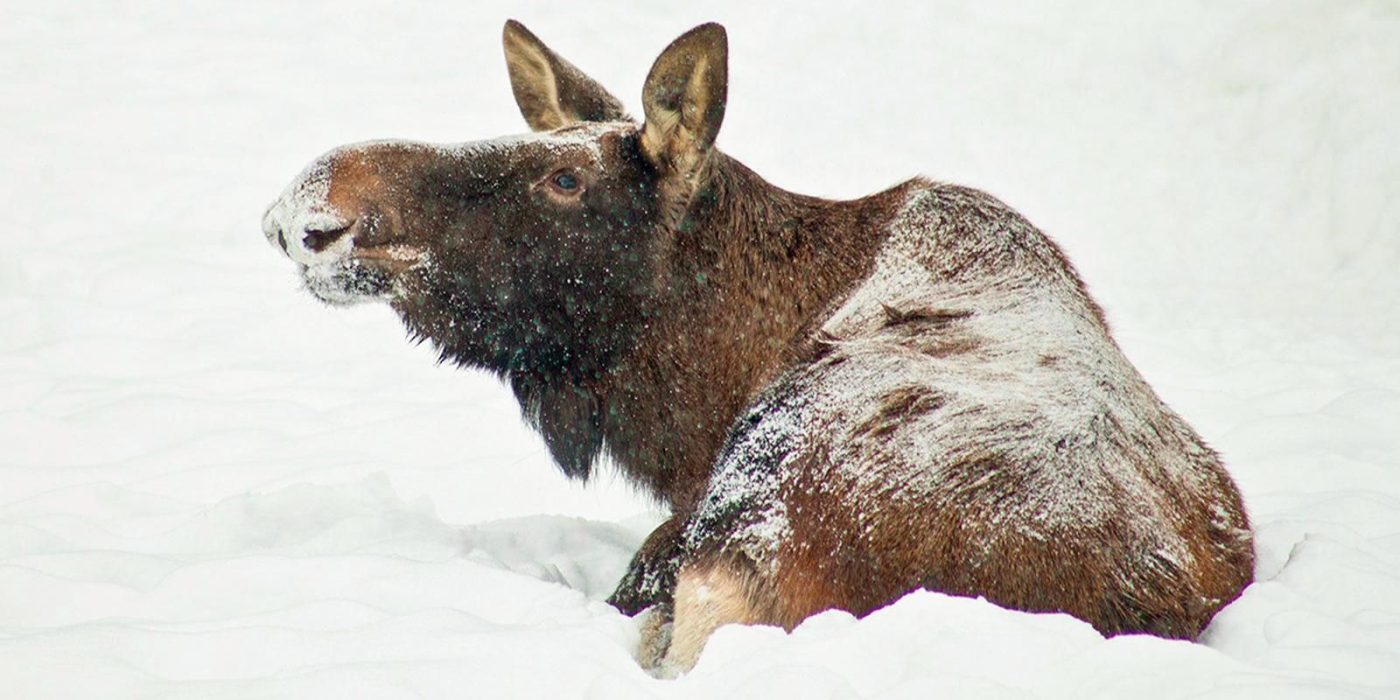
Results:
[742, 309]
[674, 310]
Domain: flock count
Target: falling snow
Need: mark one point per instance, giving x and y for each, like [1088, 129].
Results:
[216, 487]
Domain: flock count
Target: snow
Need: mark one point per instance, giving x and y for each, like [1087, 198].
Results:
[215, 486]
[748, 481]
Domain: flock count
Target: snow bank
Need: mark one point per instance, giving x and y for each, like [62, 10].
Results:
[215, 487]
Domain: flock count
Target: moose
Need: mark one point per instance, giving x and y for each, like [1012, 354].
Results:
[839, 401]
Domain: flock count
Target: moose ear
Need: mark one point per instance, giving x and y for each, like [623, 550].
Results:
[684, 98]
[550, 91]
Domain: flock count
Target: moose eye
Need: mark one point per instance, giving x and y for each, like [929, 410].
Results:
[565, 182]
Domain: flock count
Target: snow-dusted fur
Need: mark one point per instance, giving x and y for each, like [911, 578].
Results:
[840, 401]
[969, 426]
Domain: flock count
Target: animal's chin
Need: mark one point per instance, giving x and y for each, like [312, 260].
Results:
[365, 276]
[348, 282]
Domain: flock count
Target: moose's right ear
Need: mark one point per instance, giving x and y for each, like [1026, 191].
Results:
[550, 91]
[684, 98]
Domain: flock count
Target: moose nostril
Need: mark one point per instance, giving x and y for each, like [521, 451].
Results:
[281, 238]
[318, 239]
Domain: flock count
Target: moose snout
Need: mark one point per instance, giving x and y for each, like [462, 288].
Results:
[318, 239]
[273, 230]
[308, 237]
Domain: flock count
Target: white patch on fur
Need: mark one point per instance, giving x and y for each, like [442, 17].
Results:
[739, 487]
[1005, 381]
[1038, 386]
[705, 601]
[303, 207]
[1041, 359]
[585, 135]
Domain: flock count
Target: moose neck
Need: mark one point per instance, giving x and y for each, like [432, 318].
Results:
[755, 269]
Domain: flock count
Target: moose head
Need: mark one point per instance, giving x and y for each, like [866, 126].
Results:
[535, 253]
[580, 260]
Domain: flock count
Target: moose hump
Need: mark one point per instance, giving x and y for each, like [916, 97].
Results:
[841, 401]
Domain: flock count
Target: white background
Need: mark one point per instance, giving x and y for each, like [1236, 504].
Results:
[213, 486]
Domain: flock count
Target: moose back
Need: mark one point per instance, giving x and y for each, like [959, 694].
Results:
[840, 401]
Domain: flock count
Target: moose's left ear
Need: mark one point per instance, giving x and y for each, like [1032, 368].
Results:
[684, 98]
[550, 91]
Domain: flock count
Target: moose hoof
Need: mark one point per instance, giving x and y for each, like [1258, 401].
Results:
[655, 641]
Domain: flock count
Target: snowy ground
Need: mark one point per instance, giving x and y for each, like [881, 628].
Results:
[212, 486]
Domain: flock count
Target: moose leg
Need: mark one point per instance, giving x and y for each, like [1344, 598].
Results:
[651, 576]
[709, 595]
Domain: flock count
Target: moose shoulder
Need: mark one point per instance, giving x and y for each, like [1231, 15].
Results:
[840, 401]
